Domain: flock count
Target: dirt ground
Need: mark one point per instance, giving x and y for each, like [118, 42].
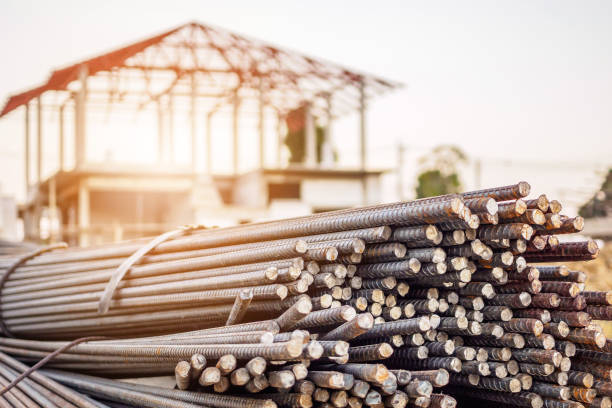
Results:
[599, 272]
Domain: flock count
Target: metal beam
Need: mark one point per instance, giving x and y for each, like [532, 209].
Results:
[53, 234]
[281, 139]
[261, 128]
[27, 148]
[38, 140]
[310, 158]
[61, 138]
[160, 132]
[209, 142]
[327, 154]
[235, 133]
[194, 131]
[362, 126]
[171, 126]
[80, 137]
[362, 139]
[83, 213]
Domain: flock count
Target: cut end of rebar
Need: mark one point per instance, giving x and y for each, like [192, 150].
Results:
[536, 217]
[431, 232]
[331, 254]
[395, 313]
[555, 206]
[441, 378]
[486, 253]
[482, 355]
[475, 328]
[600, 340]
[459, 262]
[453, 297]
[474, 379]
[378, 296]
[488, 291]
[266, 338]
[526, 231]
[501, 371]
[473, 222]
[312, 267]
[375, 309]
[429, 322]
[507, 258]
[301, 246]
[456, 205]
[294, 348]
[271, 275]
[422, 352]
[358, 246]
[441, 268]
[347, 313]
[439, 237]
[468, 353]
[438, 255]
[524, 299]
[483, 369]
[538, 328]
[478, 303]
[365, 321]
[449, 347]
[564, 393]
[459, 236]
[210, 376]
[433, 293]
[520, 207]
[512, 367]
[341, 348]
[523, 188]
[414, 265]
[227, 363]
[385, 350]
[326, 300]
[492, 206]
[536, 400]
[565, 364]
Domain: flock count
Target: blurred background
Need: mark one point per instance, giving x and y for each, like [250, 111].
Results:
[126, 119]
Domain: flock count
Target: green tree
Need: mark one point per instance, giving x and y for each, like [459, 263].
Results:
[296, 143]
[439, 171]
[600, 205]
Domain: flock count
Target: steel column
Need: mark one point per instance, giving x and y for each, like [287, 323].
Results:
[61, 138]
[310, 158]
[262, 150]
[235, 135]
[38, 140]
[83, 213]
[27, 147]
[80, 136]
[209, 142]
[194, 135]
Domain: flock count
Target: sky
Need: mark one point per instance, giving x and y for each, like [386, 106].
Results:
[525, 86]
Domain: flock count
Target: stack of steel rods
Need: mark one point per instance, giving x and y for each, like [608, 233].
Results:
[393, 305]
[37, 390]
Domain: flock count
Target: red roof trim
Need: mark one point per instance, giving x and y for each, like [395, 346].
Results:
[60, 78]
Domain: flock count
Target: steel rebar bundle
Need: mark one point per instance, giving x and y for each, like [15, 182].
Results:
[417, 304]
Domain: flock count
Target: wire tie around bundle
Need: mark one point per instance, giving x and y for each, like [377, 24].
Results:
[122, 270]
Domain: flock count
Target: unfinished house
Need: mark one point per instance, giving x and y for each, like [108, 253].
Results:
[188, 126]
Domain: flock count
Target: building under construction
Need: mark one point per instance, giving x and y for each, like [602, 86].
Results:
[185, 92]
